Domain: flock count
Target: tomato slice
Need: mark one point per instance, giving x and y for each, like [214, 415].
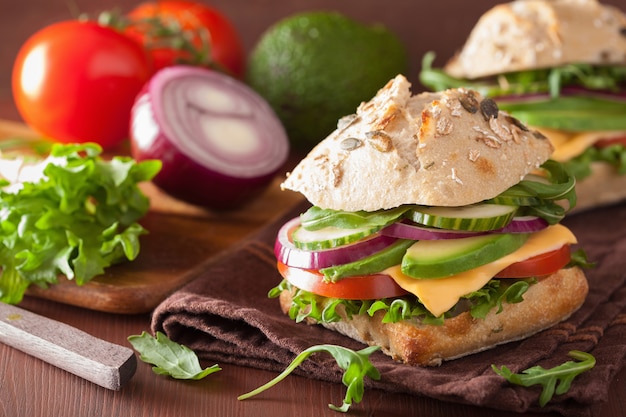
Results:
[605, 143]
[537, 266]
[366, 287]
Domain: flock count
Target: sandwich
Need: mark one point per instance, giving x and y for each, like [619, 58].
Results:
[434, 228]
[558, 66]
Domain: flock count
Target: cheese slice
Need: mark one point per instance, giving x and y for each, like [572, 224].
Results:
[440, 295]
[568, 145]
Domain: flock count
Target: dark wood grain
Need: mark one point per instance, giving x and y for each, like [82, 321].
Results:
[30, 387]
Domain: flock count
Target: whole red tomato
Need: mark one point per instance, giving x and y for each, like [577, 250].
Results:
[181, 31]
[76, 82]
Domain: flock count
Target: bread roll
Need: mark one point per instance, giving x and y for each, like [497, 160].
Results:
[605, 186]
[530, 34]
[450, 148]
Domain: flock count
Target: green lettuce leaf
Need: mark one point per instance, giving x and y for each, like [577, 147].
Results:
[79, 218]
[306, 305]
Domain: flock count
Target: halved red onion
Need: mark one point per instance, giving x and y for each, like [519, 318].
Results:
[221, 144]
[287, 253]
[524, 224]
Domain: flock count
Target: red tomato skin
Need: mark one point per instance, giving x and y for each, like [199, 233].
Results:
[366, 287]
[89, 78]
[538, 266]
[226, 47]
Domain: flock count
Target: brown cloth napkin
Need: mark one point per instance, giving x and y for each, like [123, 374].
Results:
[225, 316]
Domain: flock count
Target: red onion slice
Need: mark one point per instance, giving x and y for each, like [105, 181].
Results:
[287, 253]
[414, 232]
[524, 224]
[400, 230]
[221, 144]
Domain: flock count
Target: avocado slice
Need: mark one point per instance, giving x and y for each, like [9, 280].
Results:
[574, 113]
[442, 258]
[390, 256]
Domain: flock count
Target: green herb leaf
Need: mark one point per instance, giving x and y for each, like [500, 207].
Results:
[495, 293]
[543, 196]
[306, 305]
[399, 309]
[169, 358]
[316, 218]
[76, 218]
[356, 364]
[579, 258]
[563, 375]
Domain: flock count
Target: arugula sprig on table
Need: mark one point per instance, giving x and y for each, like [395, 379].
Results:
[176, 360]
[169, 358]
[563, 375]
[76, 216]
[356, 364]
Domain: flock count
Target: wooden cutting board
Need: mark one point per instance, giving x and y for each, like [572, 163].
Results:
[181, 239]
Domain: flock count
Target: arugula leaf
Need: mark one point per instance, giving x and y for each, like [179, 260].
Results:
[579, 258]
[563, 375]
[169, 358]
[542, 196]
[316, 218]
[356, 364]
[76, 219]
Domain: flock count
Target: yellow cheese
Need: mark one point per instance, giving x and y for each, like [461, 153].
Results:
[568, 145]
[440, 295]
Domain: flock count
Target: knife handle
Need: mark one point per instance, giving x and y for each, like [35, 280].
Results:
[96, 360]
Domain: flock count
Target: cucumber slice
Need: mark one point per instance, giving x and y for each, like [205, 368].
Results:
[442, 258]
[329, 237]
[516, 196]
[473, 218]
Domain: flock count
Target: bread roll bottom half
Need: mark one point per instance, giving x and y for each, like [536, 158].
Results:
[551, 300]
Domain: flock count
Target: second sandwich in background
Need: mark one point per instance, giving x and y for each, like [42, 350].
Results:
[560, 67]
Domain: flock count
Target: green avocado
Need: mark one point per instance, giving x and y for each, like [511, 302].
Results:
[442, 258]
[317, 66]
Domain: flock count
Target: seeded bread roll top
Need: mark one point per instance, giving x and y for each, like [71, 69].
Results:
[531, 34]
[450, 148]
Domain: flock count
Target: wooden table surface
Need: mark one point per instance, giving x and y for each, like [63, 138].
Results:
[30, 387]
